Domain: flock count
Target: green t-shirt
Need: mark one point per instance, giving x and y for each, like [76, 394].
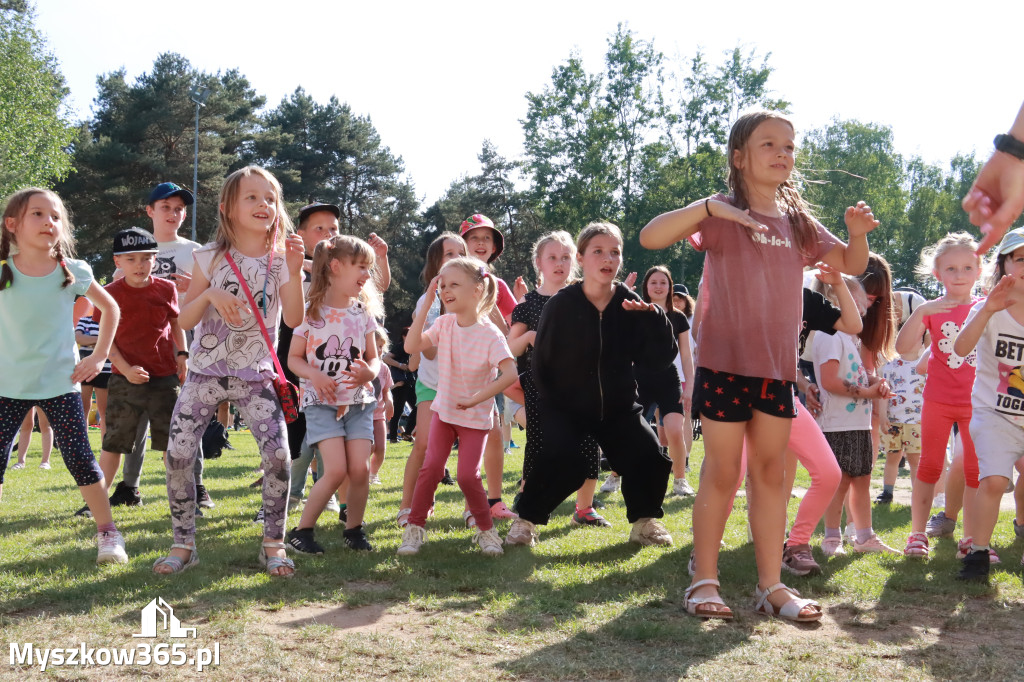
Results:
[37, 335]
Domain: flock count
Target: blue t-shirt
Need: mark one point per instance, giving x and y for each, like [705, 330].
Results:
[37, 335]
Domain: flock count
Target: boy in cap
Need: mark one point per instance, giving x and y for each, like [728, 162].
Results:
[167, 208]
[148, 355]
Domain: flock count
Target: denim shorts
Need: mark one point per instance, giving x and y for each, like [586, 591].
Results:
[322, 422]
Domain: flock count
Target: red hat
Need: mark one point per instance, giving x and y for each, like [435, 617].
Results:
[480, 220]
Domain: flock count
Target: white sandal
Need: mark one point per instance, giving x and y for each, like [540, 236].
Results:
[791, 610]
[694, 604]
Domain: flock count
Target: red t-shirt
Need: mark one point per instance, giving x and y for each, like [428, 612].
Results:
[144, 332]
[506, 301]
[751, 296]
[950, 377]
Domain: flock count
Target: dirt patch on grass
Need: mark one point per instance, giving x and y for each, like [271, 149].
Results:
[384, 619]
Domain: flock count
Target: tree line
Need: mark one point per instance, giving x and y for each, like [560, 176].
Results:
[625, 143]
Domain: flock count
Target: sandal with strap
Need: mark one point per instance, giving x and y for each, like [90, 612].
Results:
[175, 563]
[791, 610]
[699, 606]
[274, 562]
[917, 546]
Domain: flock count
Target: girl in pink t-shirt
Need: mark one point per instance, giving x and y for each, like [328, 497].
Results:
[947, 393]
[470, 351]
[757, 240]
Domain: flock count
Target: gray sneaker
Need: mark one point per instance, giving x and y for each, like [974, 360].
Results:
[940, 526]
[798, 560]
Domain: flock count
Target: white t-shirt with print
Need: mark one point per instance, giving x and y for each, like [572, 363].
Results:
[841, 412]
[906, 398]
[999, 379]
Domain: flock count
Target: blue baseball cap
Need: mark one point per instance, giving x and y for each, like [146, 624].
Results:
[165, 190]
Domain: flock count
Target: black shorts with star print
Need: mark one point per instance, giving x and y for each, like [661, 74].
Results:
[725, 397]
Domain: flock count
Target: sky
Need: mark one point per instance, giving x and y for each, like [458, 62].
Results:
[438, 78]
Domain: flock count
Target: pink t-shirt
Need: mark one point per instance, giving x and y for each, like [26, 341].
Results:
[468, 359]
[751, 298]
[382, 383]
[950, 377]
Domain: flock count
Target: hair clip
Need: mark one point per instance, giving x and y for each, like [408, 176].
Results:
[62, 263]
[3, 263]
[483, 271]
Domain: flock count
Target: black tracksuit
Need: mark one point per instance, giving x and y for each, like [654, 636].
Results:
[583, 367]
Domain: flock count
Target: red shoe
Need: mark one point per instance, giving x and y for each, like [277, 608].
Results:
[500, 511]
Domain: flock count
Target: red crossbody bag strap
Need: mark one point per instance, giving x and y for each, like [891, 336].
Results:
[257, 313]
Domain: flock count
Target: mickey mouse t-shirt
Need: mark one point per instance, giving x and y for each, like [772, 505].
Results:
[332, 344]
[950, 377]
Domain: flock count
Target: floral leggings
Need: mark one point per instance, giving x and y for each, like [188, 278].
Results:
[196, 407]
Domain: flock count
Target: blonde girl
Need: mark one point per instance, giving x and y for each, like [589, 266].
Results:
[230, 360]
[445, 247]
[591, 335]
[334, 354]
[758, 239]
[947, 392]
[470, 352]
[38, 361]
[995, 327]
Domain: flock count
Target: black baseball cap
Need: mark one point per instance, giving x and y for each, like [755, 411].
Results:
[680, 290]
[316, 206]
[165, 190]
[134, 240]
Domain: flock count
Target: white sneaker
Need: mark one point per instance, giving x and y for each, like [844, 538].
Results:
[832, 547]
[375, 479]
[489, 541]
[332, 504]
[850, 534]
[111, 548]
[413, 538]
[682, 487]
[522, 532]
[649, 531]
[611, 484]
[939, 502]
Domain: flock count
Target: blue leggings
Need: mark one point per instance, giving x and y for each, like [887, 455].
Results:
[69, 430]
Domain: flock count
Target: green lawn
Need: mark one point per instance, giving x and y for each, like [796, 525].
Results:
[583, 604]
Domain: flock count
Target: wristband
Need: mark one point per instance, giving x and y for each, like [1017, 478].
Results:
[183, 354]
[1009, 144]
[706, 207]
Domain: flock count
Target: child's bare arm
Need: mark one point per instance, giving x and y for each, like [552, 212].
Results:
[675, 226]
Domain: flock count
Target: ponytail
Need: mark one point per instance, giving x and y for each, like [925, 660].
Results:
[490, 295]
[69, 278]
[6, 273]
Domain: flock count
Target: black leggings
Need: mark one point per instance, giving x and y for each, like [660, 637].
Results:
[629, 443]
[69, 430]
[402, 395]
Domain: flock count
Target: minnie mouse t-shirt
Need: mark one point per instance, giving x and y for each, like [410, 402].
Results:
[224, 350]
[950, 377]
[332, 343]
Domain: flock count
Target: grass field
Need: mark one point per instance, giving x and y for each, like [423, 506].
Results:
[583, 604]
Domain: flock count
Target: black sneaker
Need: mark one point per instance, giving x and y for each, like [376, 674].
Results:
[203, 497]
[199, 512]
[975, 566]
[355, 538]
[259, 516]
[302, 541]
[597, 504]
[343, 515]
[84, 512]
[125, 496]
[228, 445]
[884, 497]
[447, 480]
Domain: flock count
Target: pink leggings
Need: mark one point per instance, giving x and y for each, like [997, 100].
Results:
[471, 453]
[812, 450]
[936, 423]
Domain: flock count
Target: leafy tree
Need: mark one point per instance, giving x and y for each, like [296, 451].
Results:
[143, 133]
[34, 125]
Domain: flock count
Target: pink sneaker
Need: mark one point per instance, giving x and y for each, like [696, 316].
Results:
[500, 511]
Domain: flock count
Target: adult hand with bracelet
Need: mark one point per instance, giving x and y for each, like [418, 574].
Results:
[996, 198]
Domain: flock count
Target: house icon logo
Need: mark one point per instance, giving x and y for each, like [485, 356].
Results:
[158, 611]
